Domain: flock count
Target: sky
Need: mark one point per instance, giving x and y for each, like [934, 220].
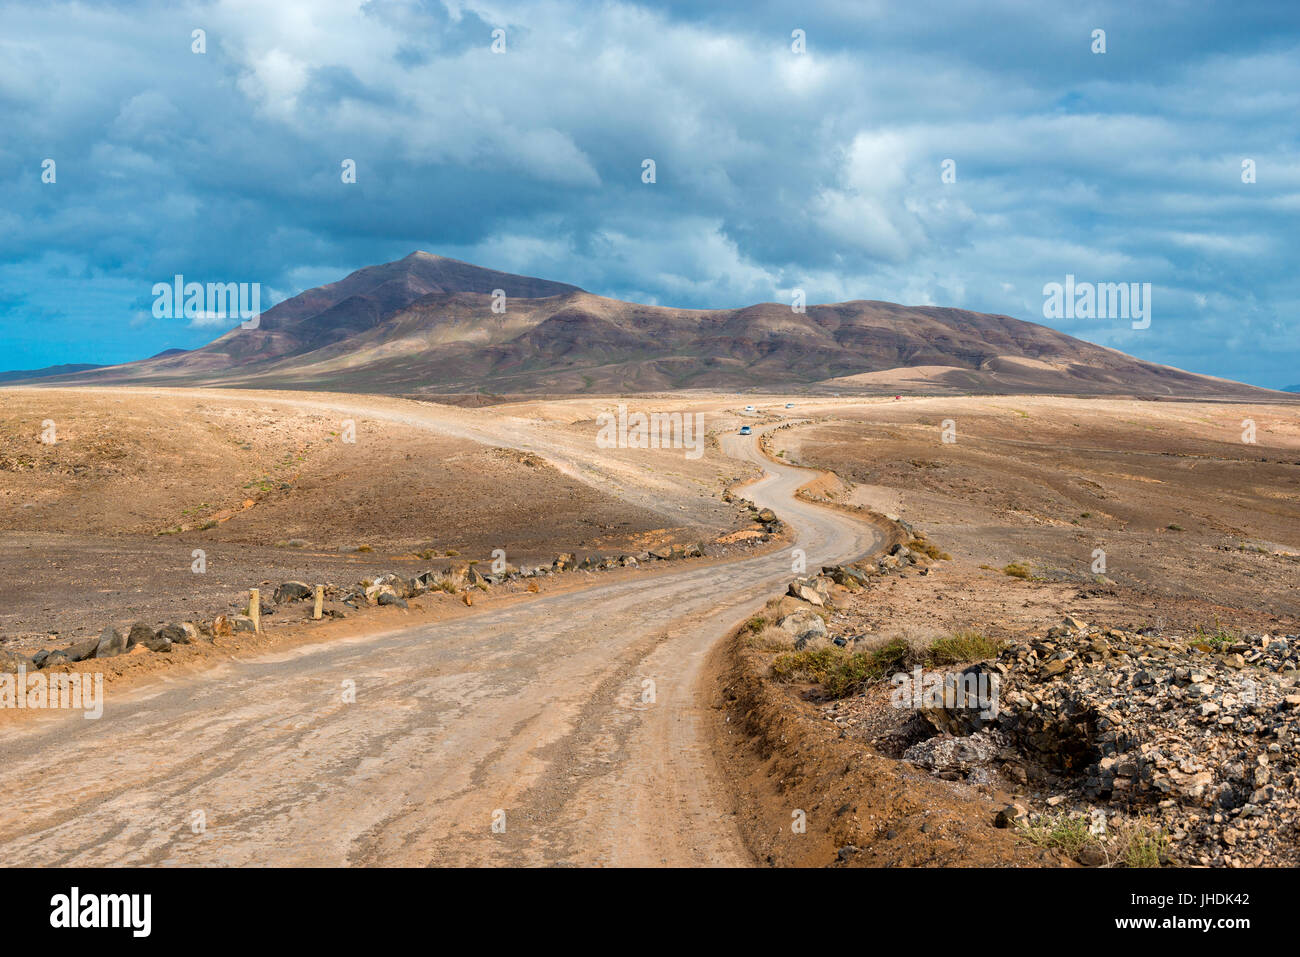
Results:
[949, 154]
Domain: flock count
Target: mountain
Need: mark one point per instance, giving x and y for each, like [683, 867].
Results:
[66, 369]
[427, 324]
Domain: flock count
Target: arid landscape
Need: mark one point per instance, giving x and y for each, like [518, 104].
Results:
[442, 442]
[637, 613]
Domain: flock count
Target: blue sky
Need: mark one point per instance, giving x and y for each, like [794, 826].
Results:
[775, 170]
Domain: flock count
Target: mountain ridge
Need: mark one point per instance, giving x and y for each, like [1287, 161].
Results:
[428, 323]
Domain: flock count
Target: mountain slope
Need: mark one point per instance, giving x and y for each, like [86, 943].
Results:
[427, 324]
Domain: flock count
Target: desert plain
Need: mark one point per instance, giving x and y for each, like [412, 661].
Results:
[622, 712]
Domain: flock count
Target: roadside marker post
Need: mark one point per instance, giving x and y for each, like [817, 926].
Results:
[320, 598]
[255, 608]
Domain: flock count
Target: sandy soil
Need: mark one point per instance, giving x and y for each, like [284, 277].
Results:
[103, 525]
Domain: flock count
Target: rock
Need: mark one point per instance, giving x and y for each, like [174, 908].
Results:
[805, 592]
[389, 598]
[962, 754]
[240, 623]
[54, 659]
[803, 626]
[766, 516]
[292, 591]
[564, 562]
[395, 583]
[1071, 623]
[1091, 855]
[82, 651]
[1011, 815]
[694, 551]
[157, 642]
[221, 627]
[111, 643]
[845, 575]
[140, 634]
[179, 634]
[473, 577]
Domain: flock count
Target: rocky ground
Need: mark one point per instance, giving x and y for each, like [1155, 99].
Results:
[1164, 732]
[1098, 745]
[450, 577]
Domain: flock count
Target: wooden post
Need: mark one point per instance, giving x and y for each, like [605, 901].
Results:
[320, 598]
[255, 608]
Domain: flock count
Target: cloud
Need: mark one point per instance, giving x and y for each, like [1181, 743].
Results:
[775, 170]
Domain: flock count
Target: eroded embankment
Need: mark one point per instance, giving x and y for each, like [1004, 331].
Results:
[859, 808]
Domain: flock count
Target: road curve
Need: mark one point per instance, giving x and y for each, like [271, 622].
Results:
[535, 717]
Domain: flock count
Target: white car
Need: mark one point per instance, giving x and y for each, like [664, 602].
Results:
[749, 408]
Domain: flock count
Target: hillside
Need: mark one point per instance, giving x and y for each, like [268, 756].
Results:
[426, 324]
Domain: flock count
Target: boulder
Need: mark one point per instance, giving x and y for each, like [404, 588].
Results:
[693, 550]
[81, 651]
[240, 623]
[387, 597]
[179, 633]
[564, 562]
[111, 643]
[292, 591]
[766, 516]
[140, 634]
[803, 626]
[802, 590]
[661, 554]
[54, 659]
[845, 575]
[158, 642]
[396, 583]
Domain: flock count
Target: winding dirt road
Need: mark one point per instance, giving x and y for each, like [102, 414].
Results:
[577, 721]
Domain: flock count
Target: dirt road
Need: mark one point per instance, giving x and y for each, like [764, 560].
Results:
[574, 722]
